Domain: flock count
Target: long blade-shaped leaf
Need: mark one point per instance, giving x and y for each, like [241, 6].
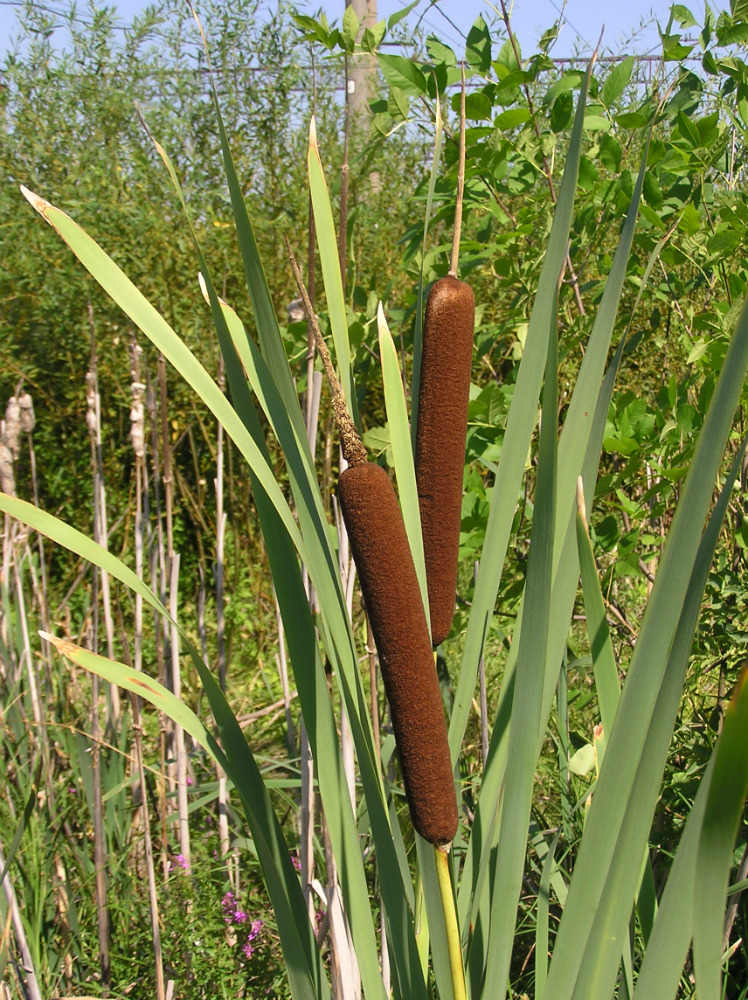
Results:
[528, 690]
[397, 419]
[724, 808]
[328, 255]
[306, 664]
[519, 427]
[134, 304]
[645, 674]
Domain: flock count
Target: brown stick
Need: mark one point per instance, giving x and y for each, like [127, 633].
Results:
[460, 185]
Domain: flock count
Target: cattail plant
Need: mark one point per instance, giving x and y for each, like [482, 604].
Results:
[446, 363]
[393, 602]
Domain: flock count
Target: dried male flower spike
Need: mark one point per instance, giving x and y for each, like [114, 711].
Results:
[440, 439]
[12, 436]
[28, 419]
[393, 600]
[137, 419]
[7, 479]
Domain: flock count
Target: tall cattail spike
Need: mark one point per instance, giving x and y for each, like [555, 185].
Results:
[389, 585]
[440, 439]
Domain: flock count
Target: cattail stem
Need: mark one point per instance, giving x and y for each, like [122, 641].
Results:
[460, 185]
[450, 920]
[350, 442]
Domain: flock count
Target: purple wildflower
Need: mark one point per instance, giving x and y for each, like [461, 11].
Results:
[254, 931]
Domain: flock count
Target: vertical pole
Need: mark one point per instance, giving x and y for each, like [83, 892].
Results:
[362, 72]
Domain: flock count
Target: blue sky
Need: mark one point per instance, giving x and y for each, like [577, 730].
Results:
[627, 25]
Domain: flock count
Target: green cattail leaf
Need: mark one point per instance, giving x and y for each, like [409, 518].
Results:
[135, 305]
[604, 665]
[519, 427]
[722, 815]
[667, 948]
[541, 926]
[603, 948]
[239, 764]
[397, 420]
[528, 685]
[340, 819]
[579, 450]
[328, 255]
[612, 805]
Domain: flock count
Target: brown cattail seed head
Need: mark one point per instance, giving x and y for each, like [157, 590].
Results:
[440, 439]
[393, 600]
[28, 419]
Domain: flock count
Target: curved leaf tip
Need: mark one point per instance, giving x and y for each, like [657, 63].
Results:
[63, 646]
[313, 135]
[35, 200]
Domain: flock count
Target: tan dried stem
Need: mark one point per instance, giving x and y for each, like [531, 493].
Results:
[460, 185]
[351, 444]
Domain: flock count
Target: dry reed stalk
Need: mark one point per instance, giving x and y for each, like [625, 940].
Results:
[179, 743]
[152, 891]
[101, 534]
[179, 770]
[37, 708]
[9, 668]
[100, 860]
[223, 792]
[137, 438]
[157, 569]
[63, 921]
[28, 423]
[7, 475]
[12, 434]
[29, 985]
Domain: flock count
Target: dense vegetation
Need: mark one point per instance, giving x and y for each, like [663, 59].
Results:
[71, 135]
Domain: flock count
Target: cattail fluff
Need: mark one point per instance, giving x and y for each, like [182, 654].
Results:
[12, 436]
[446, 364]
[91, 421]
[7, 479]
[393, 600]
[28, 418]
[137, 419]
